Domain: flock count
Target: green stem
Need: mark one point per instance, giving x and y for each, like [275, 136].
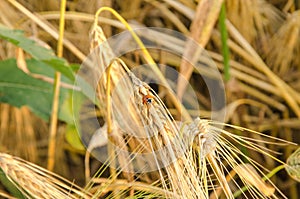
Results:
[224, 39]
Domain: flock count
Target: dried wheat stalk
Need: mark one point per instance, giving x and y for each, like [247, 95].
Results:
[102, 57]
[181, 156]
[219, 149]
[36, 182]
[164, 142]
[147, 124]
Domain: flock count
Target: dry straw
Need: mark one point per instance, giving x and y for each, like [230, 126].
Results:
[198, 160]
[212, 156]
[36, 182]
[219, 153]
[135, 108]
[283, 62]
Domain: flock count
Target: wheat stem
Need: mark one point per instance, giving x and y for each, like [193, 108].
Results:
[39, 21]
[55, 105]
[111, 151]
[149, 59]
[220, 176]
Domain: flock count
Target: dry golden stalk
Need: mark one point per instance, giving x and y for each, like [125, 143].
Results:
[202, 25]
[260, 19]
[167, 147]
[16, 126]
[153, 139]
[5, 195]
[36, 182]
[156, 192]
[101, 58]
[152, 136]
[288, 93]
[251, 177]
[111, 79]
[221, 150]
[47, 27]
[286, 61]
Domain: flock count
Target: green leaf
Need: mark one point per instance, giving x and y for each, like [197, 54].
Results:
[69, 111]
[19, 89]
[65, 112]
[73, 138]
[45, 55]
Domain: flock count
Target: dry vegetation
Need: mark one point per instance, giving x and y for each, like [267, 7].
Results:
[213, 160]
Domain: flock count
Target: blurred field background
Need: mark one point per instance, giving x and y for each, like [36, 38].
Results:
[261, 74]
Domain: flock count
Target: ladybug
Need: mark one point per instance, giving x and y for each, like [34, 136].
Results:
[148, 99]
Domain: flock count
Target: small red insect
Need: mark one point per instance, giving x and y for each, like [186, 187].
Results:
[148, 99]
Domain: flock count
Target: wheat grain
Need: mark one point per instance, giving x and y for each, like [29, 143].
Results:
[221, 150]
[166, 145]
[103, 57]
[36, 182]
[152, 136]
[155, 142]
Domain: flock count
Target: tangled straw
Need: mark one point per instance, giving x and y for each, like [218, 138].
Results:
[196, 160]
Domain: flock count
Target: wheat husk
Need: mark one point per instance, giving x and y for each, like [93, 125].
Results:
[36, 182]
